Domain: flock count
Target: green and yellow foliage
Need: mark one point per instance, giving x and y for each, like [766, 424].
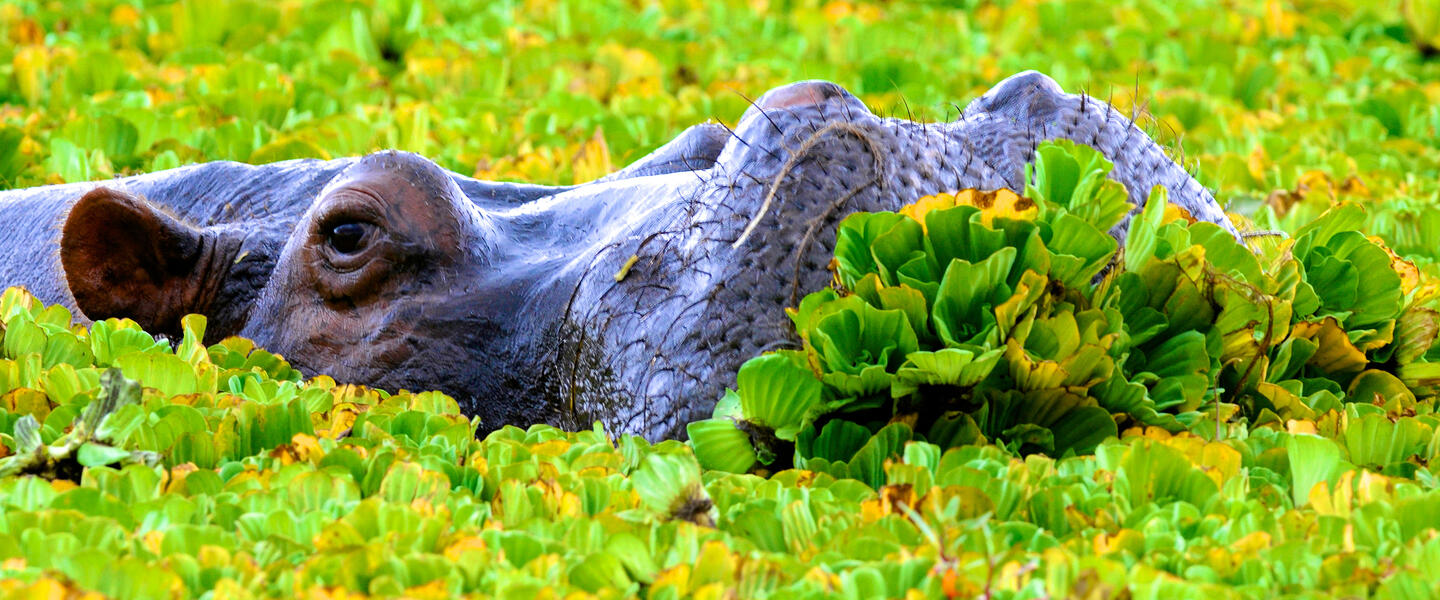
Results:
[1175, 417]
[224, 475]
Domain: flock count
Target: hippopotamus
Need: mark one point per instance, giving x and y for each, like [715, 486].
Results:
[631, 300]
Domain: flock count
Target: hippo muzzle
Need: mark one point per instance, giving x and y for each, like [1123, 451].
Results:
[631, 300]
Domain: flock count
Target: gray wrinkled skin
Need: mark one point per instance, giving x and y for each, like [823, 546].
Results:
[520, 311]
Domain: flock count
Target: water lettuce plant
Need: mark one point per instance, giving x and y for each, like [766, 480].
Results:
[992, 317]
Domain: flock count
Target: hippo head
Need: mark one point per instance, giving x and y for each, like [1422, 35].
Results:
[630, 300]
[385, 278]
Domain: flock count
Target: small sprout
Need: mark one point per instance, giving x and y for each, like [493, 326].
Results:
[89, 443]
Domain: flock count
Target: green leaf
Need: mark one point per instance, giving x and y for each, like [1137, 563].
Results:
[1143, 236]
[1074, 177]
[165, 372]
[963, 311]
[948, 366]
[12, 162]
[902, 243]
[838, 440]
[720, 446]
[1182, 366]
[1416, 331]
[777, 393]
[1313, 459]
[1336, 220]
[96, 455]
[192, 346]
[1055, 171]
[1377, 442]
[1153, 472]
[855, 246]
[113, 338]
[1087, 248]
[1380, 297]
[868, 464]
[600, 571]
[113, 135]
[861, 343]
[957, 234]
[668, 483]
[23, 336]
[1082, 429]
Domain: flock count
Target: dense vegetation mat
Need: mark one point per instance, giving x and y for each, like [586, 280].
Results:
[225, 476]
[1183, 416]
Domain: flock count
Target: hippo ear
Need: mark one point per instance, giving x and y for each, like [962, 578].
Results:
[125, 258]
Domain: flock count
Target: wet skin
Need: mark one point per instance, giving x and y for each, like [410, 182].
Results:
[631, 300]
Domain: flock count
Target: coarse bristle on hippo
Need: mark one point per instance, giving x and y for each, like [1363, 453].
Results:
[631, 300]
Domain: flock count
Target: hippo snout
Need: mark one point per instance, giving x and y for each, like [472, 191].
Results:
[706, 279]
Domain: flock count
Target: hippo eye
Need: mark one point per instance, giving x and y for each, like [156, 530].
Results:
[347, 237]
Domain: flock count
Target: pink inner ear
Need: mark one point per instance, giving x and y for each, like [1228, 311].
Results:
[123, 258]
[805, 93]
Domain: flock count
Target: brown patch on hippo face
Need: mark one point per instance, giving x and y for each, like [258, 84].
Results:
[388, 246]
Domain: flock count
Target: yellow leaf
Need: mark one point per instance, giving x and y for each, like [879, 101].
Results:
[1287, 405]
[714, 565]
[435, 590]
[1297, 426]
[27, 32]
[152, 540]
[340, 420]
[676, 577]
[1001, 203]
[1125, 540]
[211, 556]
[1251, 544]
[1153, 432]
[124, 15]
[25, 401]
[1258, 163]
[887, 502]
[1410, 276]
[307, 447]
[1336, 353]
[1175, 212]
[1354, 186]
[923, 205]
[178, 474]
[591, 160]
[466, 545]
